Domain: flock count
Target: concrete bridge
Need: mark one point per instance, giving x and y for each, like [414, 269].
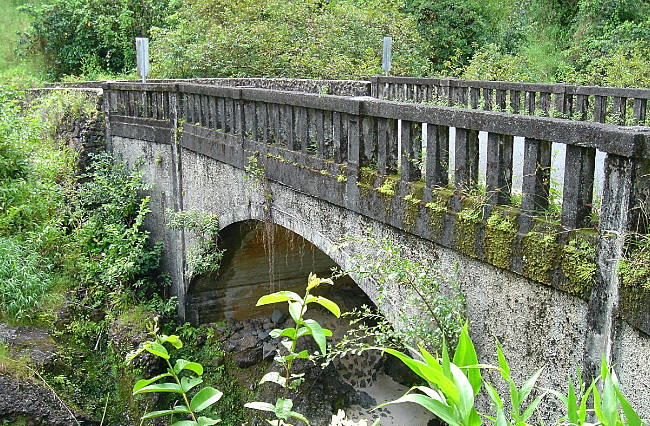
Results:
[329, 159]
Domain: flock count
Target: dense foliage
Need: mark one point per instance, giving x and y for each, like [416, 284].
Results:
[88, 35]
[280, 38]
[602, 42]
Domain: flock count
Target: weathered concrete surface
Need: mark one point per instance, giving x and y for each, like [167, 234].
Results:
[537, 325]
[331, 87]
[158, 170]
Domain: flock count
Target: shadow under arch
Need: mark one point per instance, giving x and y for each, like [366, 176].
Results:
[249, 270]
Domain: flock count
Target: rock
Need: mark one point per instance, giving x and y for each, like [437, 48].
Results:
[249, 357]
[26, 400]
[229, 347]
[278, 317]
[29, 341]
[366, 401]
[269, 351]
[248, 342]
[263, 336]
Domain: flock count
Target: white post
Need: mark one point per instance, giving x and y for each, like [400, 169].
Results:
[386, 59]
[142, 57]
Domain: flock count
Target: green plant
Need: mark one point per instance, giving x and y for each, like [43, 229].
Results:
[441, 314]
[607, 403]
[182, 381]
[452, 384]
[205, 256]
[517, 396]
[73, 40]
[302, 328]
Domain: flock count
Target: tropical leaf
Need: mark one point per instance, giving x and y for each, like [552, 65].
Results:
[205, 398]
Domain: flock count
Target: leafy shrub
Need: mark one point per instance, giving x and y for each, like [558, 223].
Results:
[22, 279]
[113, 252]
[285, 38]
[89, 35]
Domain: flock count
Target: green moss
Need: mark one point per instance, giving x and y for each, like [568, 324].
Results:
[579, 266]
[540, 256]
[500, 233]
[437, 210]
[366, 180]
[634, 268]
[412, 206]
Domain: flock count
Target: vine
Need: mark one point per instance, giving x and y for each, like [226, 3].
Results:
[257, 173]
[205, 256]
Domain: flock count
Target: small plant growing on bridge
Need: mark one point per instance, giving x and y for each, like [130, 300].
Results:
[205, 256]
[303, 327]
[441, 317]
[180, 378]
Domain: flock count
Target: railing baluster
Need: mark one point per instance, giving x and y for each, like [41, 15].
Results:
[320, 133]
[276, 124]
[387, 146]
[368, 141]
[530, 102]
[474, 94]
[619, 110]
[578, 187]
[459, 96]
[212, 115]
[545, 103]
[263, 120]
[467, 156]
[639, 109]
[289, 128]
[536, 176]
[327, 130]
[500, 99]
[600, 108]
[515, 101]
[337, 138]
[583, 106]
[437, 162]
[411, 150]
[487, 99]
[302, 129]
[499, 168]
[253, 121]
[221, 106]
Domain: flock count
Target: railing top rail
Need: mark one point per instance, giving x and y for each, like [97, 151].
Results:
[639, 93]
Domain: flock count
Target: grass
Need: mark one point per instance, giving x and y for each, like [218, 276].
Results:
[15, 67]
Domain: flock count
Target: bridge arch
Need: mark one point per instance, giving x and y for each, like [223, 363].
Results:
[250, 269]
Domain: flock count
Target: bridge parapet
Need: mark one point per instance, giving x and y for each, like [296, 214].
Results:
[372, 156]
[584, 103]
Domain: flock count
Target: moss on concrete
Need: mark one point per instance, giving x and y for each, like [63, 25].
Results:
[541, 254]
[467, 222]
[437, 210]
[579, 266]
[412, 206]
[500, 233]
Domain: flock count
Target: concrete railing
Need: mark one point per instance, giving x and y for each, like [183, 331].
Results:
[585, 103]
[352, 143]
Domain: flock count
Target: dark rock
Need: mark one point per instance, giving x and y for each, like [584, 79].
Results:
[269, 351]
[249, 358]
[366, 401]
[229, 346]
[29, 341]
[278, 317]
[248, 342]
[31, 402]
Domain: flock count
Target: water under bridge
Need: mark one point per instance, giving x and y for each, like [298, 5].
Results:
[404, 157]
